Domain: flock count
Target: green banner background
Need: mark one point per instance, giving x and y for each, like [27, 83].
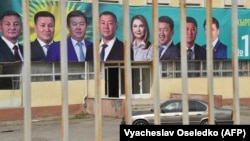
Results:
[222, 14]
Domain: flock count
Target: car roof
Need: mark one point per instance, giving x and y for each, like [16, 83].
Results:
[178, 99]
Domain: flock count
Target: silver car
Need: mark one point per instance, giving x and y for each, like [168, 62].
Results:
[171, 113]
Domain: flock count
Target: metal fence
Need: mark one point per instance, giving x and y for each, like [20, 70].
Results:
[127, 64]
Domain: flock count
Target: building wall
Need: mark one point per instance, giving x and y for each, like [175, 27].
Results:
[222, 86]
[50, 94]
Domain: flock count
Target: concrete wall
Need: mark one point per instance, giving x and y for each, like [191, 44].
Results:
[222, 86]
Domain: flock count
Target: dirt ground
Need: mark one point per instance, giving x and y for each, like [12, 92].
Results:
[81, 128]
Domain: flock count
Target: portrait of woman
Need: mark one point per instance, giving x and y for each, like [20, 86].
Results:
[142, 48]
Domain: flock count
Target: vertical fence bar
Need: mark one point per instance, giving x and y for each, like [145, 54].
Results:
[64, 72]
[127, 54]
[26, 70]
[156, 74]
[235, 71]
[98, 103]
[210, 69]
[184, 62]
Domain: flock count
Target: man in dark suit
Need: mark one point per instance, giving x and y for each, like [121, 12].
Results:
[10, 49]
[44, 28]
[219, 49]
[194, 51]
[113, 49]
[77, 47]
[168, 51]
[11, 28]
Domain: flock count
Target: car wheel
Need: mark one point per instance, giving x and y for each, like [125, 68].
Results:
[204, 122]
[140, 122]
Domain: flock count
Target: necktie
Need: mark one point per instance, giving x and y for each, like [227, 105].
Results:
[82, 56]
[16, 53]
[46, 46]
[46, 49]
[160, 51]
[190, 54]
[102, 55]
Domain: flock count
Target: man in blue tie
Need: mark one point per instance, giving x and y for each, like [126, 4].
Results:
[167, 49]
[113, 48]
[44, 28]
[78, 47]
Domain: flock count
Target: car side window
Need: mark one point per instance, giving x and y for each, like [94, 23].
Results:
[200, 107]
[173, 107]
[192, 107]
[196, 106]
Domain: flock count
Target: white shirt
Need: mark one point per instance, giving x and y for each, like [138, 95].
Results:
[142, 54]
[77, 49]
[215, 41]
[11, 45]
[45, 50]
[165, 48]
[108, 48]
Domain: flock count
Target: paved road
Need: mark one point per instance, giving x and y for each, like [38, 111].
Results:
[50, 130]
[80, 129]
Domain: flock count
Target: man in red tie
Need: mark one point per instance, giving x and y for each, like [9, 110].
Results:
[11, 28]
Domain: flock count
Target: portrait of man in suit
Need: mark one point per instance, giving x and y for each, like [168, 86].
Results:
[77, 47]
[219, 49]
[10, 49]
[167, 48]
[111, 48]
[194, 51]
[11, 29]
[44, 28]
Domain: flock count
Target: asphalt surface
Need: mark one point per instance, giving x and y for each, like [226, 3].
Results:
[81, 128]
[51, 130]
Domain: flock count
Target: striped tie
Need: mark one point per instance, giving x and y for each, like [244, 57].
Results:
[82, 56]
[190, 54]
[160, 51]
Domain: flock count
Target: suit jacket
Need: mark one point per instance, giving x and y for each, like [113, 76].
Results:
[172, 53]
[6, 54]
[37, 53]
[116, 53]
[53, 54]
[219, 51]
[200, 52]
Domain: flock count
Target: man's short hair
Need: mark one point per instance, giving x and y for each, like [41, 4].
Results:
[167, 19]
[43, 14]
[214, 21]
[109, 13]
[9, 13]
[76, 13]
[192, 20]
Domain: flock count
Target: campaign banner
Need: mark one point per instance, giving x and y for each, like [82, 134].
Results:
[223, 15]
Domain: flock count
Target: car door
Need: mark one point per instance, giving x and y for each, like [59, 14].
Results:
[171, 113]
[197, 112]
